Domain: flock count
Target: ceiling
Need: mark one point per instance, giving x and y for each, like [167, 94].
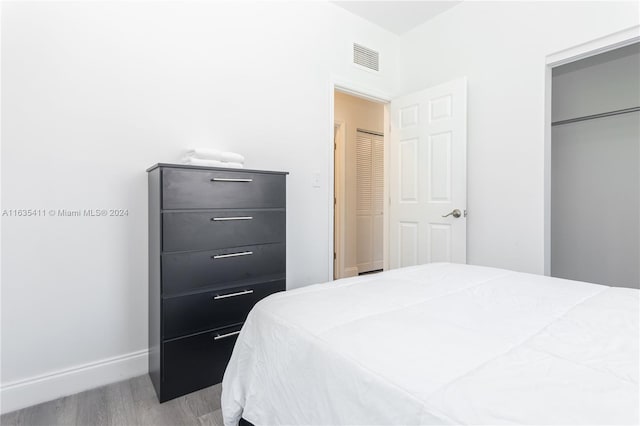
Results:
[397, 16]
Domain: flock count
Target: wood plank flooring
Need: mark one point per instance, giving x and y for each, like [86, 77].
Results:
[129, 403]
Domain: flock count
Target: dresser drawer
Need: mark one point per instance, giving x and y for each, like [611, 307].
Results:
[213, 309]
[215, 269]
[195, 362]
[211, 230]
[209, 189]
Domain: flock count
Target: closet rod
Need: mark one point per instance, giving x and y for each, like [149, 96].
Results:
[591, 117]
[370, 132]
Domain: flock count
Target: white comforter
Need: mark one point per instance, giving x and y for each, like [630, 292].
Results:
[438, 344]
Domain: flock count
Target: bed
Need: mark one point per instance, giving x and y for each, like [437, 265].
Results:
[438, 344]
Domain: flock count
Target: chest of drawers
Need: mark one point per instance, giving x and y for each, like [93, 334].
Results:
[216, 247]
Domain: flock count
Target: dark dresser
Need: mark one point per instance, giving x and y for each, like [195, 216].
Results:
[216, 247]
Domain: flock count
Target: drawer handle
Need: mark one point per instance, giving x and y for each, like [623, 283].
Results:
[231, 180]
[215, 219]
[222, 336]
[224, 296]
[222, 256]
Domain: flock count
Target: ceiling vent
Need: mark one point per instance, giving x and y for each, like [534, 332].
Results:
[366, 57]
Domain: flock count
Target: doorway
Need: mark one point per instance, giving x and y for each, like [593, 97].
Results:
[425, 172]
[594, 168]
[359, 182]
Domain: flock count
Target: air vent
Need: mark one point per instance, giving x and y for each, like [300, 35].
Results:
[366, 57]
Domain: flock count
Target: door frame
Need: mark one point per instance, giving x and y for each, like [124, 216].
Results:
[584, 50]
[340, 211]
[354, 89]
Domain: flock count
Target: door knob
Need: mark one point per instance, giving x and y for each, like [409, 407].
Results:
[455, 213]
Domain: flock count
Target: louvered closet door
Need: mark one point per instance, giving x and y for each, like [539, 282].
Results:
[370, 189]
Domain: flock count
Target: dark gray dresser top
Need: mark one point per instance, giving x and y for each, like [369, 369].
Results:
[222, 169]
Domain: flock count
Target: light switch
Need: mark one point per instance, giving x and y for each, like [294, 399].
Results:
[315, 180]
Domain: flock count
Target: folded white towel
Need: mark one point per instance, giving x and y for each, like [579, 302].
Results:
[211, 163]
[206, 154]
[214, 154]
[232, 157]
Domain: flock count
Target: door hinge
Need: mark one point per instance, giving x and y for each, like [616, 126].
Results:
[335, 146]
[335, 201]
[334, 255]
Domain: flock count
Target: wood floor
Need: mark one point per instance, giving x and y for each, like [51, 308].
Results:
[128, 403]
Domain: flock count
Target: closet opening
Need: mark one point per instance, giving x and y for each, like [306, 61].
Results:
[594, 182]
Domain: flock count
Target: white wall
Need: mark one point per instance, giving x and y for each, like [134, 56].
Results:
[356, 113]
[96, 92]
[501, 47]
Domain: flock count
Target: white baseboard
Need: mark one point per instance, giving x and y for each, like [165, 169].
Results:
[46, 387]
[350, 272]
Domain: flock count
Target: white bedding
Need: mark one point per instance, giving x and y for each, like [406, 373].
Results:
[438, 344]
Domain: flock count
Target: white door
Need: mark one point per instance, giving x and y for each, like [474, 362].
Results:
[369, 200]
[428, 176]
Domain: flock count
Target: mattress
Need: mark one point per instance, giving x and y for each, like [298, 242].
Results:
[438, 344]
